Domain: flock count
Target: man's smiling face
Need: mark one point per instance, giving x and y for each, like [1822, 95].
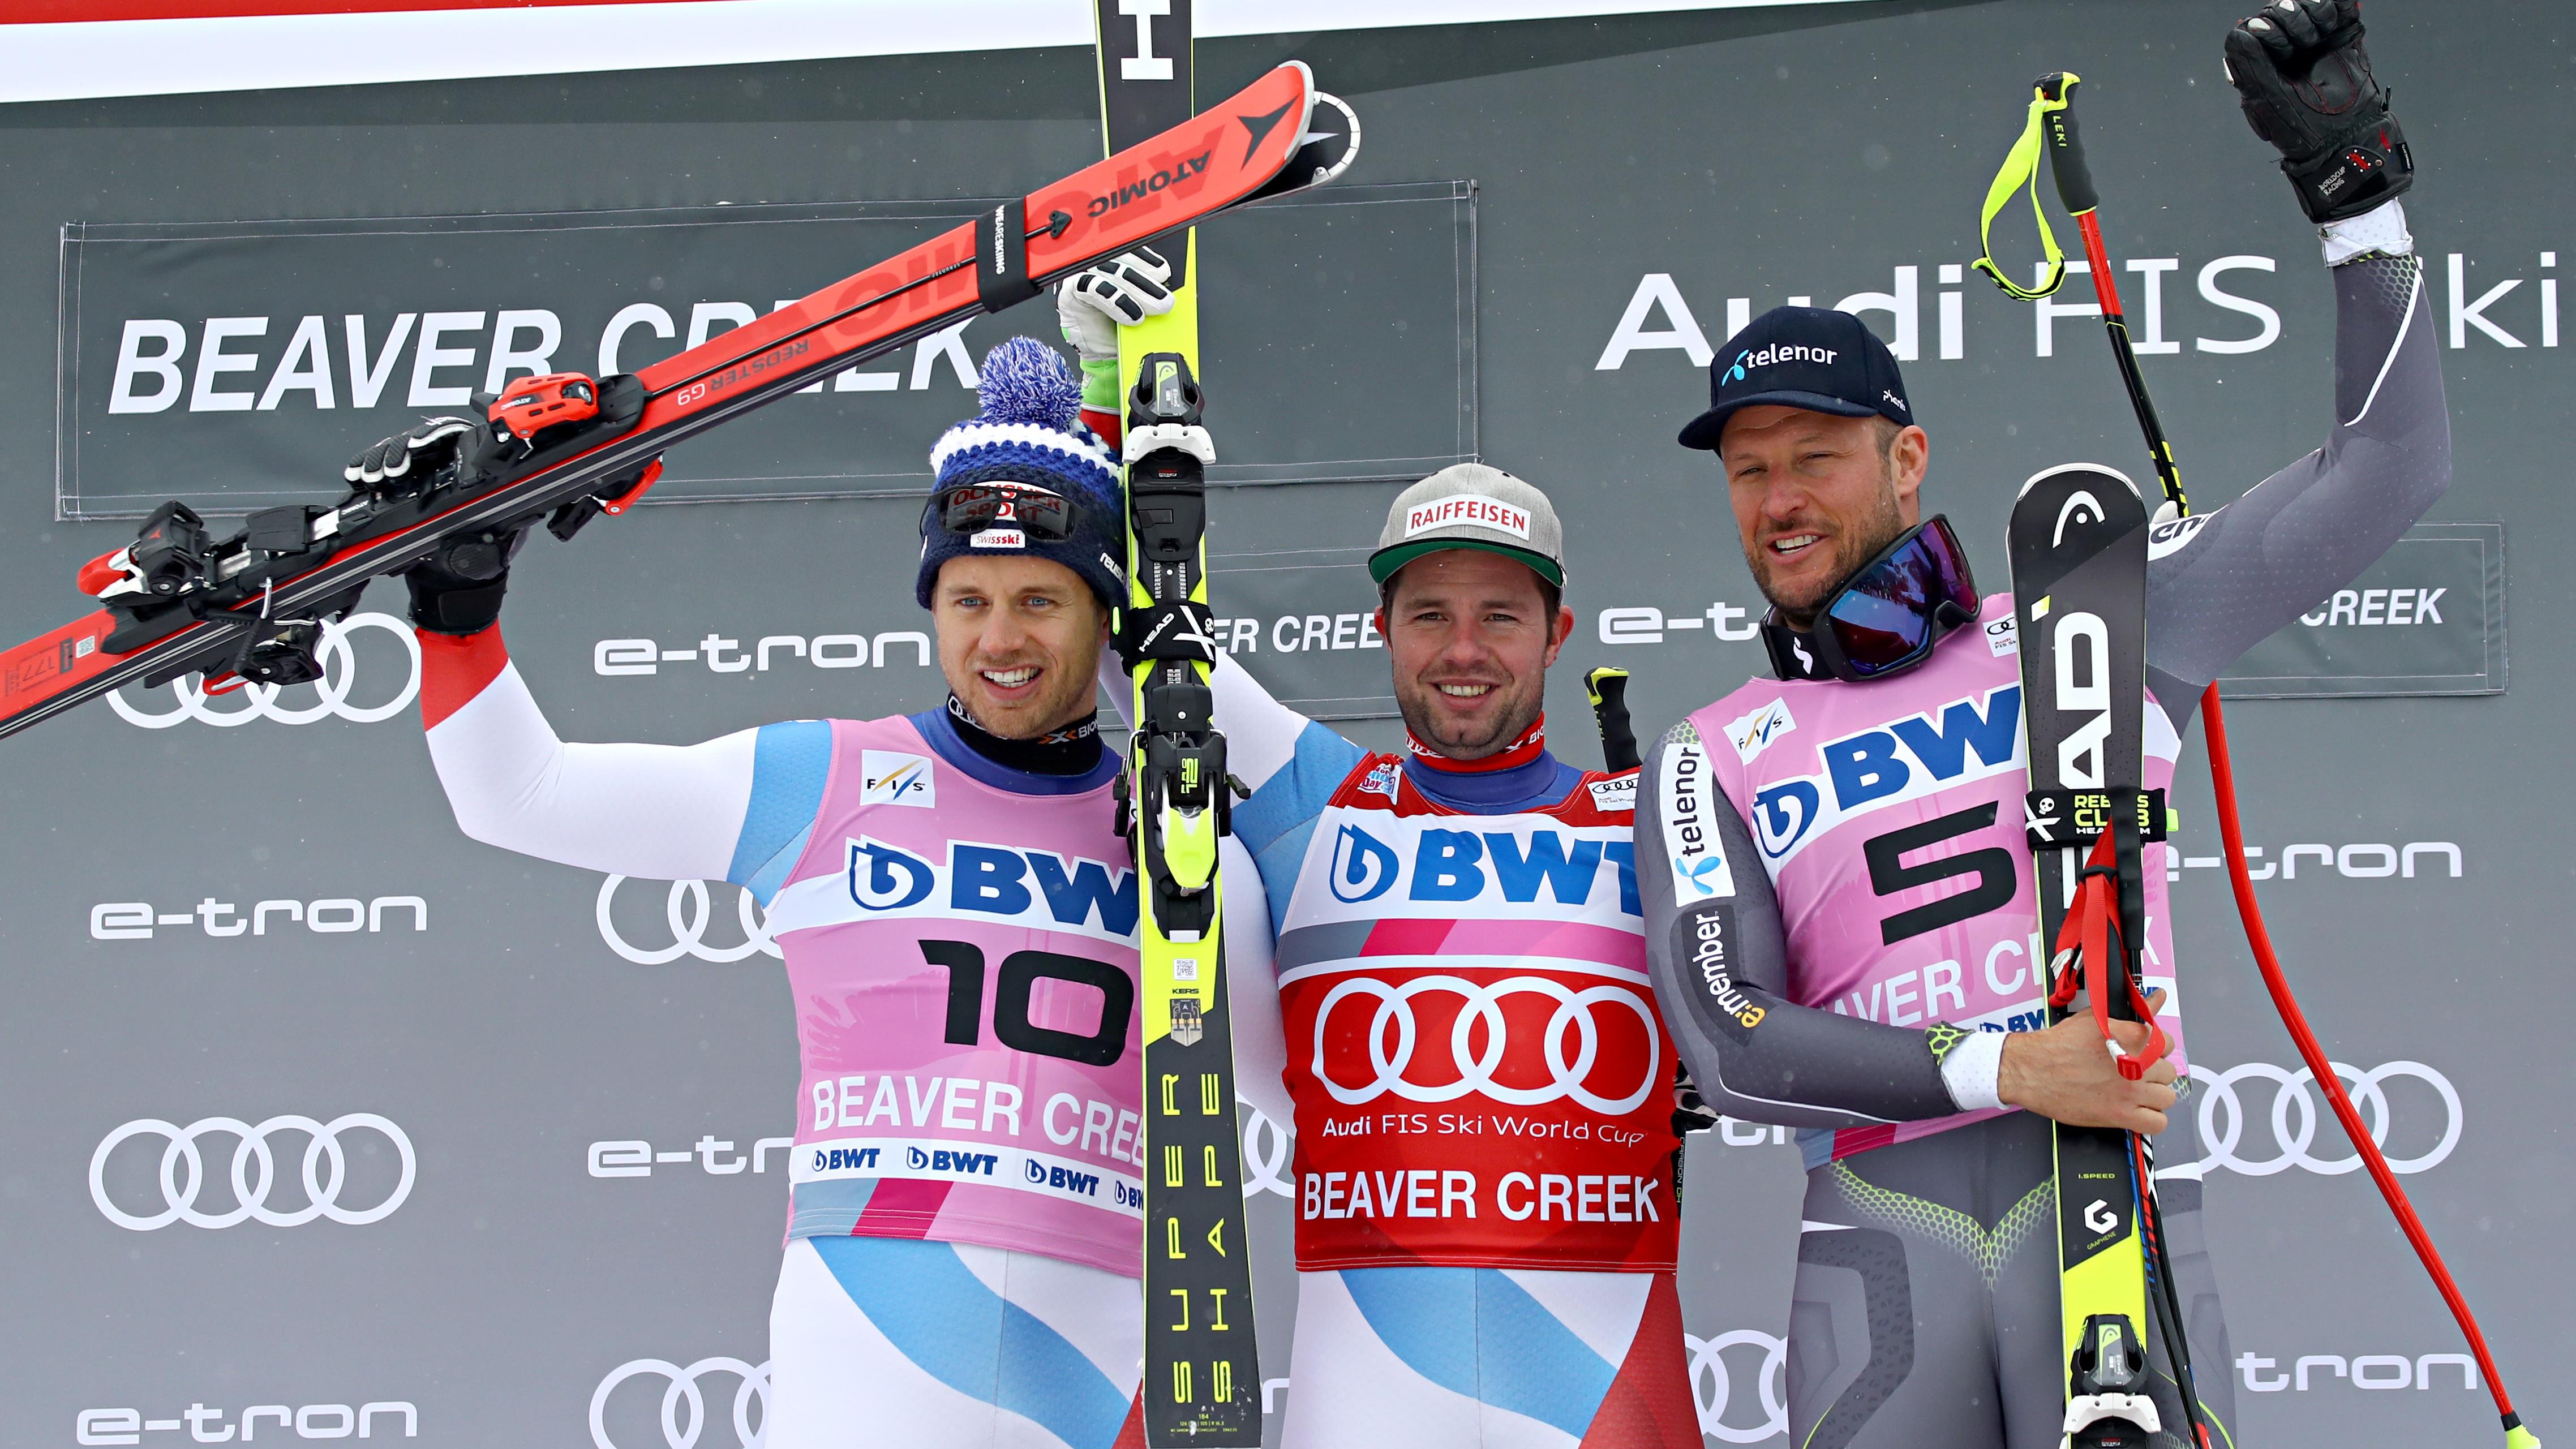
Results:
[1816, 495]
[1019, 639]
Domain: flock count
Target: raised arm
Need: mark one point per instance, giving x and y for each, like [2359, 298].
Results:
[1719, 959]
[2218, 585]
[735, 808]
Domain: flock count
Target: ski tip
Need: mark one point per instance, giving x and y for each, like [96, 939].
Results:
[2044, 474]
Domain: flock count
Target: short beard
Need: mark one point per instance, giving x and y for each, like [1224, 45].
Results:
[1072, 696]
[1417, 721]
[1853, 547]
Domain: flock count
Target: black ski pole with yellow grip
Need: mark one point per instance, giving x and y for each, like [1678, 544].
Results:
[2052, 127]
[1608, 688]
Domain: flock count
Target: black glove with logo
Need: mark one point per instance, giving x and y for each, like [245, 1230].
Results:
[2307, 88]
[458, 588]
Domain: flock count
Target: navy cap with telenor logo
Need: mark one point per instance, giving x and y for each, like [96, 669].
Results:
[1801, 357]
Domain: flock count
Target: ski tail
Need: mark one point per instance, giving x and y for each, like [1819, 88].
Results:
[2051, 116]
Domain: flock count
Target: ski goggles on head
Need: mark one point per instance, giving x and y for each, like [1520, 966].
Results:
[1887, 616]
[970, 508]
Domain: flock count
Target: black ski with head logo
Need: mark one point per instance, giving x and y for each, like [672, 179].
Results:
[2079, 572]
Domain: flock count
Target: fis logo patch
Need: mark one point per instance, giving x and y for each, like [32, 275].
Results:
[2003, 637]
[891, 777]
[1754, 733]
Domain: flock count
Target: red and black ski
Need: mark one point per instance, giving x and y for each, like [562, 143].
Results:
[251, 605]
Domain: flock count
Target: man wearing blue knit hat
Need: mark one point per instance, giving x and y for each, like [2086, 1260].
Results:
[1023, 530]
[959, 928]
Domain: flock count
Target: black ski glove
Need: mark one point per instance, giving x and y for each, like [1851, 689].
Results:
[2307, 88]
[458, 588]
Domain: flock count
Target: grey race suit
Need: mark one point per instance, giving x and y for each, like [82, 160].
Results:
[1925, 1310]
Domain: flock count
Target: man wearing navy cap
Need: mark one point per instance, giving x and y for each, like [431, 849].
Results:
[1840, 909]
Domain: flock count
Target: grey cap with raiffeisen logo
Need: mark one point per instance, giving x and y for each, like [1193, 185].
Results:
[1471, 505]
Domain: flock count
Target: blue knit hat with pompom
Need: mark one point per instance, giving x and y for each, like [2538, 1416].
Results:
[1029, 430]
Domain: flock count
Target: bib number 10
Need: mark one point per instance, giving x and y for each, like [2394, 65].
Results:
[1021, 971]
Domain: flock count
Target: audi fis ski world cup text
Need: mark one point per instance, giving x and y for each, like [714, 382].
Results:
[1659, 317]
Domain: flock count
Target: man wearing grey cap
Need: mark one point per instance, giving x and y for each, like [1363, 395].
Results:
[1841, 908]
[1480, 1079]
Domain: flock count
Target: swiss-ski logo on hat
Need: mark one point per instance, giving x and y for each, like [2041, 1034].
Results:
[1468, 508]
[999, 538]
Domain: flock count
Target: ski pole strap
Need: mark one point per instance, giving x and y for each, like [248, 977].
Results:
[1002, 257]
[2021, 172]
[2086, 946]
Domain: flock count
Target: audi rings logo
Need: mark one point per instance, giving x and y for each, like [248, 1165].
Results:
[1261, 1168]
[689, 911]
[262, 701]
[1713, 1383]
[684, 1405]
[254, 1171]
[1393, 1030]
[2226, 1119]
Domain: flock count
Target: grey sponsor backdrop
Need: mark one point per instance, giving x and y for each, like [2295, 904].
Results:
[484, 1041]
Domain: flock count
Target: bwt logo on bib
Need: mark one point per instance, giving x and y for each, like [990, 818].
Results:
[1062, 1179]
[1906, 760]
[1466, 865]
[1028, 887]
[943, 1159]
